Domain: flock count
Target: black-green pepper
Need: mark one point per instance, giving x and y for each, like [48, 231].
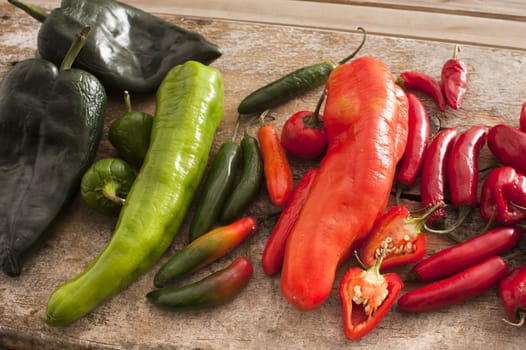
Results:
[50, 125]
[129, 49]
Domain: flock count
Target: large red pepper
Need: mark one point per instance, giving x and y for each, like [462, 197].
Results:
[366, 122]
[275, 248]
[454, 80]
[512, 291]
[433, 184]
[508, 145]
[401, 234]
[413, 80]
[366, 297]
[503, 196]
[468, 253]
[417, 140]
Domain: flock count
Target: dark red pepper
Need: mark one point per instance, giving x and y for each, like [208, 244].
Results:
[366, 297]
[454, 80]
[512, 291]
[463, 255]
[433, 184]
[508, 145]
[522, 118]
[503, 196]
[412, 80]
[401, 234]
[275, 248]
[410, 165]
[455, 289]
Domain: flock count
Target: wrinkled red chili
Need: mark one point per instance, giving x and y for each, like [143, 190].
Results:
[512, 292]
[413, 80]
[454, 80]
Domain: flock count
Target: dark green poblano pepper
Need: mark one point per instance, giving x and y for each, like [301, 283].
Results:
[129, 49]
[50, 125]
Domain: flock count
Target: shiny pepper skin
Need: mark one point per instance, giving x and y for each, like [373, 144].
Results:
[454, 80]
[512, 291]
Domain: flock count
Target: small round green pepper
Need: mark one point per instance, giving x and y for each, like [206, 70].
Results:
[130, 133]
[105, 185]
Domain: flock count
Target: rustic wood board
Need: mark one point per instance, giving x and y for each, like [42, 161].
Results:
[259, 318]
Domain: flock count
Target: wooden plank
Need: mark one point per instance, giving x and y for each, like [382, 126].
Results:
[450, 27]
[259, 318]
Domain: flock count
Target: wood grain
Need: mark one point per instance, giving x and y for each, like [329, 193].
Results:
[254, 54]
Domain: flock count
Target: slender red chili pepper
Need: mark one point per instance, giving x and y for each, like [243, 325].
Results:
[463, 172]
[278, 174]
[512, 291]
[413, 80]
[366, 297]
[455, 289]
[508, 145]
[275, 248]
[522, 118]
[433, 184]
[411, 163]
[454, 80]
[401, 234]
[503, 196]
[463, 255]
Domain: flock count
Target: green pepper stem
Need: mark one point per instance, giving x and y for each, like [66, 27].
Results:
[127, 101]
[236, 128]
[344, 60]
[464, 211]
[110, 192]
[521, 322]
[74, 49]
[36, 12]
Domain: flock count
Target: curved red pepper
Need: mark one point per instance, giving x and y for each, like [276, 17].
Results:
[413, 80]
[455, 289]
[411, 163]
[366, 122]
[512, 291]
[502, 196]
[433, 184]
[508, 145]
[275, 248]
[463, 255]
[366, 297]
[454, 80]
[401, 234]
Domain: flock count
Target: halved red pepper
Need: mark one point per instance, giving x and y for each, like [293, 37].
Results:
[512, 291]
[401, 234]
[366, 297]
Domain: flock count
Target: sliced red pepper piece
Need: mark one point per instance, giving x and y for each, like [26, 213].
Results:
[401, 233]
[512, 291]
[366, 297]
[454, 80]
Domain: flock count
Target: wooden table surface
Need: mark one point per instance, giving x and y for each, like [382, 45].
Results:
[262, 40]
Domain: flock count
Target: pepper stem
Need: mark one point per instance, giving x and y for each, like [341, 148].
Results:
[464, 211]
[236, 128]
[127, 101]
[456, 50]
[345, 59]
[36, 12]
[420, 221]
[110, 192]
[74, 49]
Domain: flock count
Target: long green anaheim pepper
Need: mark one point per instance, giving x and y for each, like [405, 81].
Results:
[188, 112]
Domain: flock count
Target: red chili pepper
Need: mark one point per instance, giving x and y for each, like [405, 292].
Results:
[463, 172]
[367, 296]
[522, 118]
[503, 196]
[402, 236]
[508, 145]
[411, 163]
[366, 122]
[455, 289]
[463, 255]
[433, 184]
[278, 174]
[275, 248]
[413, 80]
[512, 291]
[455, 80]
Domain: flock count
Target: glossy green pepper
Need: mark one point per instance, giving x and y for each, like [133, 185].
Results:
[50, 125]
[129, 49]
[130, 133]
[189, 106]
[106, 184]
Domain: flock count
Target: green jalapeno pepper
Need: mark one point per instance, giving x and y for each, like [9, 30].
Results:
[130, 133]
[189, 105]
[215, 289]
[205, 250]
[50, 125]
[129, 49]
[249, 183]
[106, 184]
